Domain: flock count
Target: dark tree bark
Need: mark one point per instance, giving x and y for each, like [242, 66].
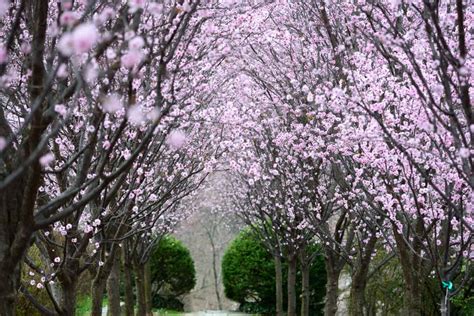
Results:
[17, 200]
[292, 264]
[68, 304]
[305, 288]
[357, 303]
[128, 281]
[147, 286]
[332, 289]
[411, 268]
[278, 285]
[113, 288]
[97, 292]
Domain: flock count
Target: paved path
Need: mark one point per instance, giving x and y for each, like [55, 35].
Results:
[203, 313]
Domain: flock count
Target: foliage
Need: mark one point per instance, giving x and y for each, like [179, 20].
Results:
[249, 276]
[172, 272]
[248, 271]
[169, 303]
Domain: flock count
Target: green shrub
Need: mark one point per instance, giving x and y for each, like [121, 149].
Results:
[249, 276]
[172, 272]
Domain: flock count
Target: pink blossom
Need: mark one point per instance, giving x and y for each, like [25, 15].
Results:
[135, 115]
[176, 139]
[25, 48]
[46, 160]
[68, 18]
[131, 59]
[136, 43]
[67, 4]
[136, 5]
[62, 71]
[60, 109]
[66, 44]
[84, 37]
[155, 8]
[4, 5]
[464, 153]
[3, 143]
[186, 7]
[3, 54]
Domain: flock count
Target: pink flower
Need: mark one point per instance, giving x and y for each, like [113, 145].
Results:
[131, 59]
[46, 159]
[3, 54]
[4, 4]
[135, 115]
[136, 5]
[176, 139]
[60, 109]
[62, 71]
[3, 143]
[66, 45]
[67, 4]
[464, 152]
[112, 104]
[68, 18]
[136, 43]
[155, 8]
[84, 37]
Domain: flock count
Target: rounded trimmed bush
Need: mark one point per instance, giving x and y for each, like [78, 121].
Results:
[172, 271]
[248, 272]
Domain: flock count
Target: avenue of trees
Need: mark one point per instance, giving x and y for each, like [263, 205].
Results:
[345, 123]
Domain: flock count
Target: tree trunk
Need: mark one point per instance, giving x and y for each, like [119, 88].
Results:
[305, 289]
[128, 280]
[412, 300]
[97, 292]
[279, 286]
[411, 275]
[357, 302]
[330, 306]
[113, 288]
[68, 303]
[147, 286]
[8, 290]
[292, 286]
[357, 298]
[215, 274]
[18, 198]
[140, 286]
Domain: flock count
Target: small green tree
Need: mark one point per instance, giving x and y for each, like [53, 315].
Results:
[248, 274]
[172, 271]
[248, 271]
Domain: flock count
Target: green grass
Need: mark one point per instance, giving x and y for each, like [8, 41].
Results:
[84, 305]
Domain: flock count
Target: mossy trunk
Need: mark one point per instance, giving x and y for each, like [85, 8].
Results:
[140, 286]
[147, 286]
